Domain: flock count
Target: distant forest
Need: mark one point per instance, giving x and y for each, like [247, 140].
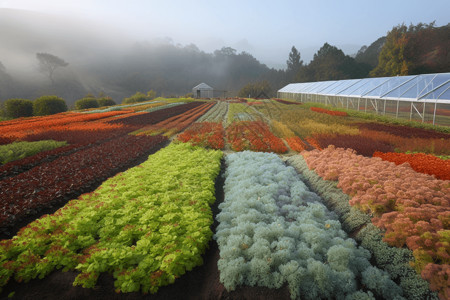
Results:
[172, 70]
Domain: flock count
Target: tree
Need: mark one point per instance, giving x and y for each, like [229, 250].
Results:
[391, 61]
[225, 51]
[293, 63]
[48, 63]
[253, 90]
[330, 63]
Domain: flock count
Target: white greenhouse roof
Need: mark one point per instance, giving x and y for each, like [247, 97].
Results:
[202, 86]
[425, 87]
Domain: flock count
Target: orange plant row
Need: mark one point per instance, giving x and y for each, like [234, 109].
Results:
[329, 112]
[64, 121]
[313, 142]
[296, 143]
[420, 162]
[253, 135]
[205, 134]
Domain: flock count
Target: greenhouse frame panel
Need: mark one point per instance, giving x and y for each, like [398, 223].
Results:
[424, 97]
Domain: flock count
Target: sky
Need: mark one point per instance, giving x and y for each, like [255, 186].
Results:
[265, 29]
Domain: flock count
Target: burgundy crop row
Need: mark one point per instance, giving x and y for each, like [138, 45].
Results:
[404, 131]
[66, 176]
[361, 144]
[155, 116]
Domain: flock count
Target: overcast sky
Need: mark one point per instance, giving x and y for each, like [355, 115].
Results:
[266, 29]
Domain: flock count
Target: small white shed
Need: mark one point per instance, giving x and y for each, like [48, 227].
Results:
[203, 91]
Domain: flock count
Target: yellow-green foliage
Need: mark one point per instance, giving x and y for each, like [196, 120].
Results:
[281, 130]
[311, 127]
[19, 150]
[306, 123]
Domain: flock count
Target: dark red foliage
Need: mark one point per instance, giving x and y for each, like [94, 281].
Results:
[18, 166]
[361, 144]
[154, 117]
[54, 181]
[79, 136]
[404, 131]
[5, 140]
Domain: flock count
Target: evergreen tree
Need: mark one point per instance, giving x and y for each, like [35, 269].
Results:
[294, 63]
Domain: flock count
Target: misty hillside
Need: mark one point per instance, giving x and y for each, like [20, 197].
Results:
[102, 60]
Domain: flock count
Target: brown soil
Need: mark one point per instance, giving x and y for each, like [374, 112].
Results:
[202, 282]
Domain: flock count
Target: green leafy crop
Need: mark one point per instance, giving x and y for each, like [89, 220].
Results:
[146, 226]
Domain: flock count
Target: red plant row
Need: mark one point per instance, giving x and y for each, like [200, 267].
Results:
[286, 102]
[363, 145]
[404, 131]
[18, 166]
[143, 119]
[69, 175]
[255, 136]
[179, 122]
[255, 103]
[329, 112]
[420, 162]
[205, 134]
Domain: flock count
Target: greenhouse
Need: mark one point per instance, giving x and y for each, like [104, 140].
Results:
[424, 98]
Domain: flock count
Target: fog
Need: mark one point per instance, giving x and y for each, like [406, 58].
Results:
[106, 60]
[171, 46]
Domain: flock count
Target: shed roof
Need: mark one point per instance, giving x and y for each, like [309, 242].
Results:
[202, 86]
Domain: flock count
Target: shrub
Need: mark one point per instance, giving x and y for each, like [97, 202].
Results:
[48, 105]
[87, 102]
[105, 101]
[16, 108]
[138, 97]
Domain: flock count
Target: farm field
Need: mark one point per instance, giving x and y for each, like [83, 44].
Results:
[223, 199]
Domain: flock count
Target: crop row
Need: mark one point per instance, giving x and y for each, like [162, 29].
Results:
[240, 112]
[176, 123]
[216, 114]
[396, 261]
[143, 119]
[403, 131]
[286, 102]
[146, 226]
[204, 134]
[420, 162]
[49, 182]
[253, 135]
[329, 112]
[272, 230]
[411, 207]
[33, 126]
[20, 150]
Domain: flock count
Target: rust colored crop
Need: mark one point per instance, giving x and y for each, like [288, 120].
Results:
[329, 112]
[205, 134]
[296, 144]
[255, 136]
[420, 162]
